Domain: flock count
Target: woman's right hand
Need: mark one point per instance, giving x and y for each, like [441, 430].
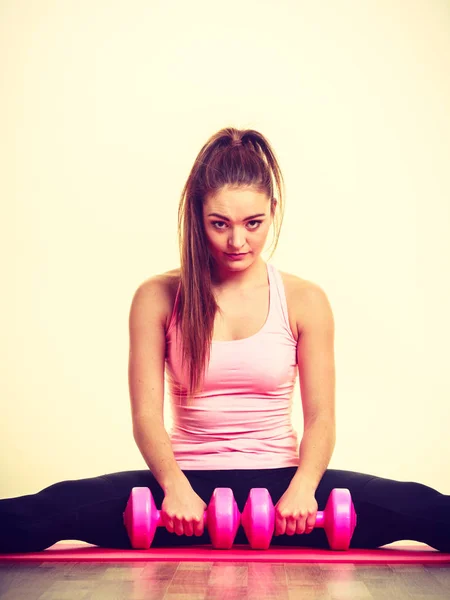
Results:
[182, 511]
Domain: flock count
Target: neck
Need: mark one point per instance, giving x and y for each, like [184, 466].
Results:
[254, 276]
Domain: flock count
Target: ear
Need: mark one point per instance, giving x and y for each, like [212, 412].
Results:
[273, 206]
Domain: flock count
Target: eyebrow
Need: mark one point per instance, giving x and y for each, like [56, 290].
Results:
[227, 219]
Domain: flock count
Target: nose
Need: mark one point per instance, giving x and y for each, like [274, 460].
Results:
[236, 242]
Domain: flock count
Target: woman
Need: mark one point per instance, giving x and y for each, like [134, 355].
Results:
[232, 332]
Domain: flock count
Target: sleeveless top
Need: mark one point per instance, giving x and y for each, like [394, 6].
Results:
[242, 417]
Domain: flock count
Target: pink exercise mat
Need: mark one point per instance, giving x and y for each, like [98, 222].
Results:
[82, 552]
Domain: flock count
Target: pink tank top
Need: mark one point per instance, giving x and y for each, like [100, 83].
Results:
[242, 417]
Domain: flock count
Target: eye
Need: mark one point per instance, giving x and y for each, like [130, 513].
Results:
[257, 222]
[215, 223]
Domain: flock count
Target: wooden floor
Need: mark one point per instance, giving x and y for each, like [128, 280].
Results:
[203, 581]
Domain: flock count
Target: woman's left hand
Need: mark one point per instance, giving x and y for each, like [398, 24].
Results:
[295, 511]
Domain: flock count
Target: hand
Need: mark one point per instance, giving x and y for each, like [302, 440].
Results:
[182, 511]
[295, 511]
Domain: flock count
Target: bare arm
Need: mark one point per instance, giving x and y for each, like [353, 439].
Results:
[146, 382]
[154, 444]
[316, 365]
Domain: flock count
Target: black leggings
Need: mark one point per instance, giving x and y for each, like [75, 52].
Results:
[91, 510]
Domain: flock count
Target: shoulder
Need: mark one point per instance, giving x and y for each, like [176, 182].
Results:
[306, 300]
[160, 290]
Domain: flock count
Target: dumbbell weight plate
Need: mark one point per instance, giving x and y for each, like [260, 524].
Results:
[340, 517]
[223, 518]
[258, 518]
[141, 517]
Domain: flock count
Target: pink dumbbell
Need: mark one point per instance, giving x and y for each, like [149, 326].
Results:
[141, 518]
[338, 519]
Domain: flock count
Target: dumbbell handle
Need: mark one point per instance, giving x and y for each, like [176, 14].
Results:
[159, 521]
[320, 519]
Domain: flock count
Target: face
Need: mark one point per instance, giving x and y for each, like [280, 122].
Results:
[237, 221]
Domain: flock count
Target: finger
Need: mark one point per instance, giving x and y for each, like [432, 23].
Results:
[291, 525]
[198, 526]
[280, 525]
[178, 526]
[300, 524]
[188, 527]
[310, 522]
[168, 524]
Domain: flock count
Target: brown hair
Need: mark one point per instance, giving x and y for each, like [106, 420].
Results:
[233, 157]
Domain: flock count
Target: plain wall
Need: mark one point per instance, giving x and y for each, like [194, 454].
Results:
[104, 106]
